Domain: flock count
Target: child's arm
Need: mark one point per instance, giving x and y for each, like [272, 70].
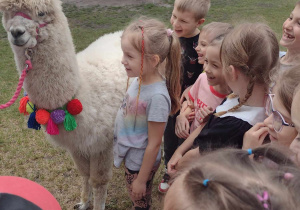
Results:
[182, 149]
[185, 95]
[182, 125]
[155, 133]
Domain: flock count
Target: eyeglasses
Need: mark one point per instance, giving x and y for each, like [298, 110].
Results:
[278, 120]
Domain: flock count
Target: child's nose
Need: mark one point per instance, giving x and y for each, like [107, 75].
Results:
[175, 23]
[123, 61]
[288, 25]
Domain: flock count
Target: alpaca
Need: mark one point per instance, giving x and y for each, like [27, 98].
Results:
[95, 77]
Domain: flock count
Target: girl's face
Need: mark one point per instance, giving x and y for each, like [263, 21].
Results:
[203, 42]
[213, 66]
[291, 31]
[287, 134]
[131, 57]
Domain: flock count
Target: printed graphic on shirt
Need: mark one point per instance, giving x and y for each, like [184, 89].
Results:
[135, 119]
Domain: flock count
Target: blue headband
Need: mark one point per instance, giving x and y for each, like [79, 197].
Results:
[205, 181]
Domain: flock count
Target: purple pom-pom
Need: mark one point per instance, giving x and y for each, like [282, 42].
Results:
[58, 116]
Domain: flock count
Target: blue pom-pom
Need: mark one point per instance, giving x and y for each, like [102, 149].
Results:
[32, 123]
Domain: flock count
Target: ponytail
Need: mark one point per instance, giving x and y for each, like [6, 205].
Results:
[173, 73]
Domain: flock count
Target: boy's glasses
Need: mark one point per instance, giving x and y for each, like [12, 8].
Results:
[278, 120]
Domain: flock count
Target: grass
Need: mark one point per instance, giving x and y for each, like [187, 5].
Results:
[26, 153]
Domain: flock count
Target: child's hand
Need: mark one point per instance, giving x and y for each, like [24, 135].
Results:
[255, 136]
[172, 169]
[138, 189]
[184, 106]
[203, 114]
[182, 127]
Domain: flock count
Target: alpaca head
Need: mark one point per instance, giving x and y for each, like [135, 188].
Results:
[27, 22]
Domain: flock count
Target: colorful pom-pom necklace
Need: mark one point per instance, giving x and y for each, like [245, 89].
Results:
[52, 118]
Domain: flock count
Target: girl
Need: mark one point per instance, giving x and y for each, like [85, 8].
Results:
[148, 47]
[209, 90]
[211, 97]
[208, 33]
[278, 125]
[229, 179]
[295, 145]
[291, 39]
[248, 54]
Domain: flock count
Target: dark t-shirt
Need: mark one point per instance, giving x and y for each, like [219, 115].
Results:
[229, 129]
[191, 67]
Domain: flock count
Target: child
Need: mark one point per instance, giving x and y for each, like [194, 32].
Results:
[209, 90]
[186, 18]
[248, 53]
[278, 125]
[295, 145]
[229, 179]
[141, 119]
[291, 39]
[208, 33]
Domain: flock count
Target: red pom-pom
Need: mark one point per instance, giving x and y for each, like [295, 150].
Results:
[22, 107]
[42, 116]
[74, 107]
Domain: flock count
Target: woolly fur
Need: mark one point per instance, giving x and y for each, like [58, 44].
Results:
[95, 76]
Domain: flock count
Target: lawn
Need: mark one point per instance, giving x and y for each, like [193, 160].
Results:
[26, 153]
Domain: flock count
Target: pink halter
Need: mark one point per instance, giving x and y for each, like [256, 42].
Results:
[29, 18]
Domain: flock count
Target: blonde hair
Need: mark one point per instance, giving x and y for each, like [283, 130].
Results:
[235, 181]
[198, 7]
[286, 82]
[216, 29]
[167, 47]
[253, 49]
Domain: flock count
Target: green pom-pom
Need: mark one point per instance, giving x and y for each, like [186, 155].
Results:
[29, 107]
[69, 122]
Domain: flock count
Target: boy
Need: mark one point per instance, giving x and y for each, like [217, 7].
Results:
[186, 18]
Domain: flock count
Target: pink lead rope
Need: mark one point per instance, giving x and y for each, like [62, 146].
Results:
[25, 70]
[19, 87]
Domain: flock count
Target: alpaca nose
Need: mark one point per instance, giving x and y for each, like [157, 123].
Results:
[16, 33]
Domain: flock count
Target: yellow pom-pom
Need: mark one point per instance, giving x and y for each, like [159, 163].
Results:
[29, 107]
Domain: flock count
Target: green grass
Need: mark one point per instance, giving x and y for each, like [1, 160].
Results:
[26, 153]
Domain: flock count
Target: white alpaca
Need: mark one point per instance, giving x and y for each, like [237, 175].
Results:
[95, 77]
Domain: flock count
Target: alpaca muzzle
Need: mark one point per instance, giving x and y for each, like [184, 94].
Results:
[18, 32]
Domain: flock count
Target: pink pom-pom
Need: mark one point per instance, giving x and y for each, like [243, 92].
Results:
[58, 116]
[74, 107]
[52, 128]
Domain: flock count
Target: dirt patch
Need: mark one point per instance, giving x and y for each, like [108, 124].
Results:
[89, 3]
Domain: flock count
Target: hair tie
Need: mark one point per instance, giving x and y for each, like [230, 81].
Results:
[205, 181]
[264, 199]
[169, 32]
[288, 176]
[249, 151]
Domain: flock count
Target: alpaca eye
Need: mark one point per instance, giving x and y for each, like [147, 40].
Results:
[41, 14]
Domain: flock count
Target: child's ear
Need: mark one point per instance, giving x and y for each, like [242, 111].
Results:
[155, 60]
[234, 73]
[201, 21]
